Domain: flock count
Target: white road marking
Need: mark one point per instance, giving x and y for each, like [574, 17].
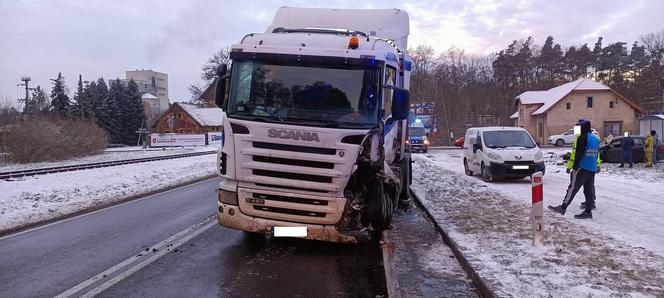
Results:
[162, 248]
[103, 209]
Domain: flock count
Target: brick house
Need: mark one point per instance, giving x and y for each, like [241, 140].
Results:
[188, 118]
[554, 111]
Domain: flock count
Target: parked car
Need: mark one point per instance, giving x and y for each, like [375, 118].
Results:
[612, 152]
[459, 142]
[501, 152]
[566, 138]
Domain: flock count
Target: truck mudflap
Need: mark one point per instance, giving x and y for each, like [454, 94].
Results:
[230, 216]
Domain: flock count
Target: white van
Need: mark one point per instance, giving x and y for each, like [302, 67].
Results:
[501, 152]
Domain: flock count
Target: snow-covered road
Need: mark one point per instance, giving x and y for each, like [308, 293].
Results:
[630, 202]
[618, 253]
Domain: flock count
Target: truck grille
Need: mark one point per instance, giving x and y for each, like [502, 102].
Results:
[291, 207]
[293, 176]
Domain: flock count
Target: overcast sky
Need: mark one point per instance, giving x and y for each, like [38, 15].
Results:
[104, 38]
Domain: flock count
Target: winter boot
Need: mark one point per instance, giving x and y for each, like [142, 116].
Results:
[559, 209]
[586, 214]
[583, 206]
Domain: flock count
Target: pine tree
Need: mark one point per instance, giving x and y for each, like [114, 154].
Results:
[115, 111]
[39, 102]
[597, 51]
[80, 108]
[134, 115]
[584, 60]
[59, 99]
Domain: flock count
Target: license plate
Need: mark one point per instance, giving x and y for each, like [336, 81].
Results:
[289, 231]
[520, 167]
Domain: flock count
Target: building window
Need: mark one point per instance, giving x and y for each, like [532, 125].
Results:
[613, 128]
[568, 105]
[612, 104]
[589, 102]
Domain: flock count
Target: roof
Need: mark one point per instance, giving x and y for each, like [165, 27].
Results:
[204, 116]
[548, 98]
[494, 128]
[148, 96]
[383, 23]
[653, 117]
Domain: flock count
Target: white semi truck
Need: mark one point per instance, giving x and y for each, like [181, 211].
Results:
[315, 124]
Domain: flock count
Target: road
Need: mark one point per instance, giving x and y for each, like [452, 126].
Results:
[170, 245]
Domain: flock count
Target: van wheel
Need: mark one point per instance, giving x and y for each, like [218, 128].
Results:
[560, 142]
[486, 175]
[466, 169]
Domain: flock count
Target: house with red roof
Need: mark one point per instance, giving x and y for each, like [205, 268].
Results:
[555, 111]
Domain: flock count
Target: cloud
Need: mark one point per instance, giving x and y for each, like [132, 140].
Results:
[105, 38]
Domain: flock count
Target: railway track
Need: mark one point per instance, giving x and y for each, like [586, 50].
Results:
[50, 170]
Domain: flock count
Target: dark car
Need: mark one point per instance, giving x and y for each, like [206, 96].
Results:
[612, 152]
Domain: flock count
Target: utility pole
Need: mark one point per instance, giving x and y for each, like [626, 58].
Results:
[26, 82]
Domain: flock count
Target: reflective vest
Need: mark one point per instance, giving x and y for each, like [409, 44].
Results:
[591, 159]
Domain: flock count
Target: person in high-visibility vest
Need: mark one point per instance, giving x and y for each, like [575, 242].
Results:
[584, 163]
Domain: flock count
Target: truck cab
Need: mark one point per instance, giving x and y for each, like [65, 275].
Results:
[315, 124]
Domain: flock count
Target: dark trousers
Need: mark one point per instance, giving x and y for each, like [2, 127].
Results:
[627, 157]
[580, 178]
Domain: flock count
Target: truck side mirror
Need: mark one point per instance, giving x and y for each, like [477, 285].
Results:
[220, 87]
[477, 147]
[400, 104]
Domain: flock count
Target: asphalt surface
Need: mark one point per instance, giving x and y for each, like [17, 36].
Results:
[425, 265]
[214, 262]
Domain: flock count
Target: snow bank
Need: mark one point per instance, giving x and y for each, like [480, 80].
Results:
[110, 154]
[490, 223]
[44, 197]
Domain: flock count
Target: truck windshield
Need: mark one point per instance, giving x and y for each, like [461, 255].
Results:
[507, 138]
[417, 131]
[310, 94]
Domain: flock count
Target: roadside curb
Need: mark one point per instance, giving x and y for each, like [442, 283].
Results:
[482, 287]
[28, 226]
[388, 248]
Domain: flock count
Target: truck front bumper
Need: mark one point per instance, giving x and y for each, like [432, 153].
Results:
[241, 221]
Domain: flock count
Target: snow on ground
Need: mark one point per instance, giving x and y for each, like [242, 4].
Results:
[43, 197]
[619, 252]
[110, 154]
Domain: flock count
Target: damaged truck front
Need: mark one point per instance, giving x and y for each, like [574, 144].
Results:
[315, 123]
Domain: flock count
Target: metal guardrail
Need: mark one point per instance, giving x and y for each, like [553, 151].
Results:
[50, 170]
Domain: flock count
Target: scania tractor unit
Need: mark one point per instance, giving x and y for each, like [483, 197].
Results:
[315, 124]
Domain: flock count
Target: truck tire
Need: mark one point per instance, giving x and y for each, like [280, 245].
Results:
[404, 195]
[466, 168]
[379, 207]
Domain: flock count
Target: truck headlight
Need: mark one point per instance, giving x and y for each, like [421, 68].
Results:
[494, 156]
[538, 155]
[227, 197]
[426, 142]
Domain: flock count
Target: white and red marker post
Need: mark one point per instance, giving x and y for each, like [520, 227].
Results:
[538, 209]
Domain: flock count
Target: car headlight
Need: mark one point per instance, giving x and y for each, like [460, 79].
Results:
[407, 141]
[426, 142]
[494, 156]
[538, 155]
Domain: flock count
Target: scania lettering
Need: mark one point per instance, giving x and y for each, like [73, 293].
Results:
[291, 134]
[315, 124]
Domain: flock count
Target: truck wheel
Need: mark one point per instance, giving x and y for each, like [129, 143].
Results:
[379, 207]
[560, 142]
[466, 169]
[425, 150]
